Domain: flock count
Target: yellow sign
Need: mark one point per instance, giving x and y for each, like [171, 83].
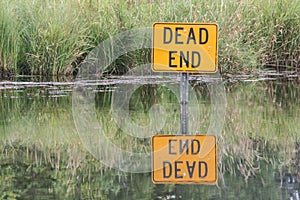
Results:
[184, 159]
[185, 47]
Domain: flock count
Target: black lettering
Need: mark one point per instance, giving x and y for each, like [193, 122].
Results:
[190, 168]
[167, 40]
[195, 59]
[200, 169]
[184, 145]
[171, 57]
[176, 169]
[185, 59]
[195, 146]
[170, 147]
[203, 36]
[191, 36]
[165, 165]
[177, 35]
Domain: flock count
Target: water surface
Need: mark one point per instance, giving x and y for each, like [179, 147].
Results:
[42, 155]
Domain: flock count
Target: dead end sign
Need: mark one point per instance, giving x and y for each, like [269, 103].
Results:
[185, 47]
[184, 159]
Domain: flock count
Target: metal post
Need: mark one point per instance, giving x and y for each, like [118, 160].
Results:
[184, 97]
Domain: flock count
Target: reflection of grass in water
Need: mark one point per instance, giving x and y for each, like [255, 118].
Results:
[260, 128]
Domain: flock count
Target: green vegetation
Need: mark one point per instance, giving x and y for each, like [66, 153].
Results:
[52, 37]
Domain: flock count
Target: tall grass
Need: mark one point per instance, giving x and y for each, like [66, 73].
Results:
[9, 38]
[52, 37]
[262, 33]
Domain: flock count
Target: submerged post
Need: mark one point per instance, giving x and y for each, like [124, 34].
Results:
[184, 97]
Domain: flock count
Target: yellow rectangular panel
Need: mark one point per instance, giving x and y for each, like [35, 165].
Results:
[185, 47]
[184, 159]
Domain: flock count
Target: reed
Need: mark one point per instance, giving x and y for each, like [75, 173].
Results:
[53, 37]
[10, 42]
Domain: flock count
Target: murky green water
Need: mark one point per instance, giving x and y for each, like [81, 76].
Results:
[44, 157]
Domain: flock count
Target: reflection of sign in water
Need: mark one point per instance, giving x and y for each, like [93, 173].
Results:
[185, 47]
[184, 159]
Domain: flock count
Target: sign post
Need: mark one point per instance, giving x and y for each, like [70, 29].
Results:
[184, 99]
[185, 48]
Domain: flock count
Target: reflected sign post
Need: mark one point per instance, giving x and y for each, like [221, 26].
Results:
[184, 48]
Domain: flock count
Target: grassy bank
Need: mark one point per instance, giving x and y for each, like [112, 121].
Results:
[52, 37]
